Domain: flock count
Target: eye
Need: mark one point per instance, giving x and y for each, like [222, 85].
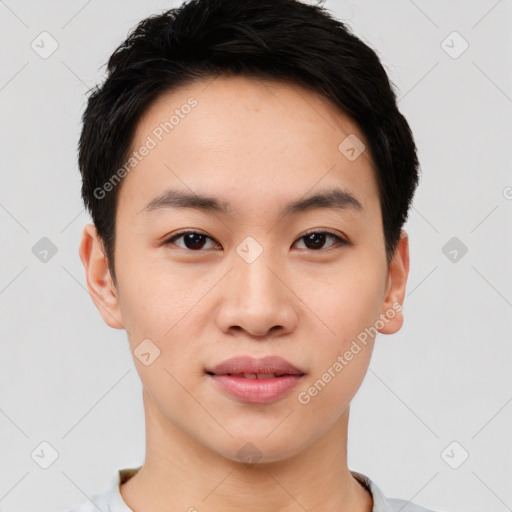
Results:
[315, 239]
[195, 240]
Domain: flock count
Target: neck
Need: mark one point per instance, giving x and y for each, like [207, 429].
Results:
[181, 474]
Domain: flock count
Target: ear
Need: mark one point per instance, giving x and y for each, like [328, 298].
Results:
[398, 272]
[99, 281]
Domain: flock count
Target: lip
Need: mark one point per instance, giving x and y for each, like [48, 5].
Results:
[229, 376]
[248, 364]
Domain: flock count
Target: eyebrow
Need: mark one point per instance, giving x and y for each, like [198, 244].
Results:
[336, 198]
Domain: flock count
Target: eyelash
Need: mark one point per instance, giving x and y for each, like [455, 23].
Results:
[338, 240]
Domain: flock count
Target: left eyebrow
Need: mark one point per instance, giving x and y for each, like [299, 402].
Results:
[180, 199]
[333, 198]
[336, 198]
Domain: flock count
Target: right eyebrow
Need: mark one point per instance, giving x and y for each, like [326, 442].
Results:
[335, 198]
[179, 199]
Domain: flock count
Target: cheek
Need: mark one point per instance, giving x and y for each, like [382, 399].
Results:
[160, 308]
[350, 303]
[151, 298]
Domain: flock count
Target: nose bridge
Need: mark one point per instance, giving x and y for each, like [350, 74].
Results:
[255, 271]
[258, 299]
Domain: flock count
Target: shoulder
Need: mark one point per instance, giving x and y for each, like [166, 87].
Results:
[110, 500]
[96, 502]
[381, 503]
[396, 505]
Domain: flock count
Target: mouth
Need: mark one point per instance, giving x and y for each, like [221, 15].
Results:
[252, 376]
[256, 381]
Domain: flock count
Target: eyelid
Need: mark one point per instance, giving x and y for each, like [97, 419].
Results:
[170, 240]
[324, 232]
[340, 240]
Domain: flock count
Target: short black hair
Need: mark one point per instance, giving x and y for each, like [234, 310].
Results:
[284, 40]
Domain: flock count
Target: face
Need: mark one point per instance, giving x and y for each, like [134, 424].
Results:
[257, 268]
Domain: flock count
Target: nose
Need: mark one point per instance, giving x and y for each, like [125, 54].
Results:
[258, 298]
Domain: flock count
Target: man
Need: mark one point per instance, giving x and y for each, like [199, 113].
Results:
[248, 174]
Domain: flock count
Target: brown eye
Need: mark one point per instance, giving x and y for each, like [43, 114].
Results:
[316, 239]
[195, 240]
[192, 240]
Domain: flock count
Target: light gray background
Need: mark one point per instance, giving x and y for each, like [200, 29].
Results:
[68, 379]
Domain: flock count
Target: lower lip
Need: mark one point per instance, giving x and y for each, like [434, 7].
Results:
[257, 391]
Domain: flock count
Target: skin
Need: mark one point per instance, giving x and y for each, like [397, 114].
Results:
[255, 145]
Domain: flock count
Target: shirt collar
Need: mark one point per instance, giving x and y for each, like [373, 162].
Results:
[380, 502]
[117, 504]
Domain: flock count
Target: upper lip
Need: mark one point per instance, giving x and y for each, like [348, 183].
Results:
[248, 364]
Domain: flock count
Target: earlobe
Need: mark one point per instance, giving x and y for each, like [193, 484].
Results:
[391, 312]
[99, 281]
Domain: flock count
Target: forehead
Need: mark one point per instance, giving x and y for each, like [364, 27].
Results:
[247, 138]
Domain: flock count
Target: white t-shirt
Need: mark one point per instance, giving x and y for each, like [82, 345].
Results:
[112, 501]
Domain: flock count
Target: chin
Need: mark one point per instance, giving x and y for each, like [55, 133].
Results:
[258, 449]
